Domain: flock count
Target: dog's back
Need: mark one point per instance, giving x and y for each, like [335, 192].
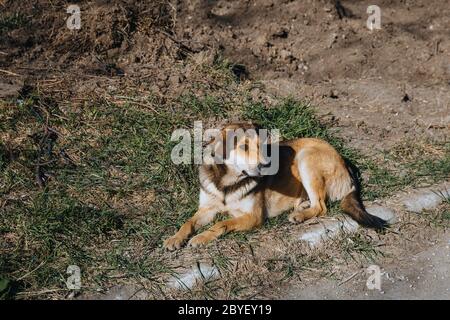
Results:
[298, 159]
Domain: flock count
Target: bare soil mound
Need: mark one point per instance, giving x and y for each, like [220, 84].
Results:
[378, 86]
[125, 39]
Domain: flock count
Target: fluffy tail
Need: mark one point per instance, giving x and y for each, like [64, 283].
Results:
[353, 206]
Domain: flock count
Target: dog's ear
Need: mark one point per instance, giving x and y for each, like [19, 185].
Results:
[227, 135]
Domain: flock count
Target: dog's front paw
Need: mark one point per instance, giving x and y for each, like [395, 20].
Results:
[296, 217]
[173, 243]
[199, 240]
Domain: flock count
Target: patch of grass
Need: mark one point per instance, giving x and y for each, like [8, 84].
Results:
[446, 215]
[380, 180]
[92, 210]
[11, 22]
[440, 216]
[334, 208]
[410, 163]
[359, 245]
[3, 156]
[5, 288]
[294, 119]
[277, 221]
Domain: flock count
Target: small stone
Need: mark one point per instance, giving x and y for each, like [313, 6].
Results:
[427, 199]
[261, 40]
[198, 273]
[382, 212]
[281, 33]
[285, 54]
[332, 39]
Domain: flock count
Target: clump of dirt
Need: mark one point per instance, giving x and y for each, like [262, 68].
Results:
[124, 39]
[106, 29]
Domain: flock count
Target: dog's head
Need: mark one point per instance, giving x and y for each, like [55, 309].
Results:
[241, 148]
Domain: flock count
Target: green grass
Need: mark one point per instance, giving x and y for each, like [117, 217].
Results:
[93, 211]
[11, 22]
[112, 193]
[357, 246]
[400, 169]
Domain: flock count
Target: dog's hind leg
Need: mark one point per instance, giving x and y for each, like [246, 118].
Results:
[314, 185]
[201, 218]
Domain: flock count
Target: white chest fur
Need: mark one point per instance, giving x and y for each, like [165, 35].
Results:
[240, 207]
[235, 203]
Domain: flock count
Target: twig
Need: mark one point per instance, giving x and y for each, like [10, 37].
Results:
[349, 278]
[135, 101]
[10, 73]
[135, 293]
[178, 42]
[36, 293]
[27, 274]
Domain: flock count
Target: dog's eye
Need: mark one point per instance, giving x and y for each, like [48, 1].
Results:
[244, 147]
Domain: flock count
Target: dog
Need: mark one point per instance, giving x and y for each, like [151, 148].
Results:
[310, 171]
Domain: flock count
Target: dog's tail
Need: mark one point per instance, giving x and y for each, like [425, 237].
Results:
[352, 205]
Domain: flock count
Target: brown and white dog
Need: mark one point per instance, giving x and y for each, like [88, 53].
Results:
[309, 171]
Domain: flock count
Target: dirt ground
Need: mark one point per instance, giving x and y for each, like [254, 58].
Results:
[375, 89]
[376, 86]
[422, 275]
